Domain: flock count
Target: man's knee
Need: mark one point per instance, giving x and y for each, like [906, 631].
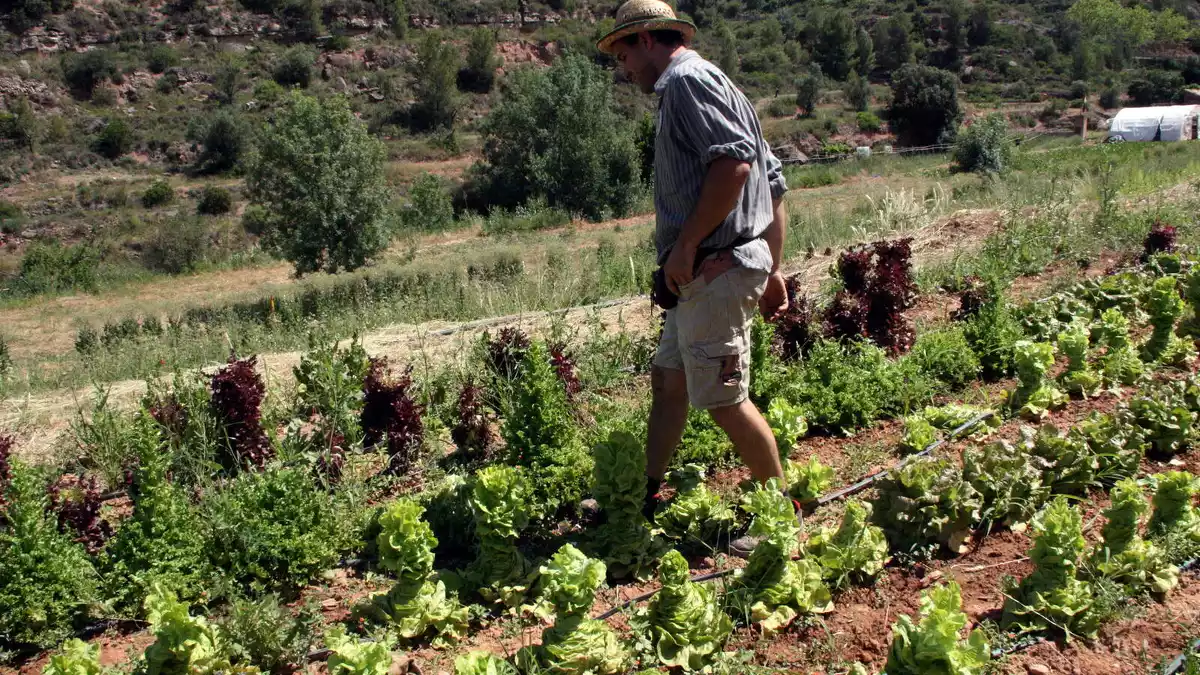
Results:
[668, 383]
[733, 414]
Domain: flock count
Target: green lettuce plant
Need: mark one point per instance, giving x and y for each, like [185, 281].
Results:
[1079, 379]
[350, 656]
[575, 643]
[773, 589]
[787, 423]
[1052, 597]
[76, 657]
[695, 513]
[932, 644]
[418, 603]
[1068, 464]
[854, 552]
[1174, 509]
[919, 433]
[683, 623]
[482, 663]
[1120, 363]
[808, 481]
[1165, 308]
[183, 644]
[1124, 556]
[500, 499]
[1163, 414]
[1009, 481]
[1190, 326]
[1115, 441]
[619, 485]
[924, 503]
[329, 382]
[953, 415]
[1036, 395]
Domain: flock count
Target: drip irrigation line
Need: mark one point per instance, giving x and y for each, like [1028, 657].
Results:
[646, 596]
[1180, 661]
[866, 482]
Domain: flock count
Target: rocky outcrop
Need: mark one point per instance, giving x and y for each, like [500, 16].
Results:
[14, 87]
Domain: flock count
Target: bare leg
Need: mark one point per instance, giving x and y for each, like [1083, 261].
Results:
[752, 437]
[668, 417]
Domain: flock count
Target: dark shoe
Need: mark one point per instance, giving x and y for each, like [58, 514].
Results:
[743, 546]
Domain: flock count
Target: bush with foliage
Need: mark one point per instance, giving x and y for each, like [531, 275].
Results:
[556, 136]
[418, 604]
[623, 540]
[329, 383]
[429, 207]
[933, 645]
[1052, 597]
[84, 71]
[214, 201]
[1120, 363]
[1124, 556]
[924, 108]
[926, 502]
[265, 634]
[1079, 379]
[277, 530]
[223, 137]
[237, 397]
[540, 432]
[178, 246]
[868, 122]
[1008, 479]
[773, 589]
[683, 623]
[392, 417]
[1156, 87]
[159, 193]
[947, 357]
[854, 552]
[160, 57]
[500, 502]
[294, 67]
[1165, 308]
[115, 138]
[48, 584]
[575, 643]
[858, 95]
[165, 541]
[319, 173]
[1036, 394]
[808, 90]
[695, 513]
[54, 268]
[985, 146]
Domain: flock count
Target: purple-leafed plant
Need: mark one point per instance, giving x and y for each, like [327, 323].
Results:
[506, 350]
[972, 298]
[564, 368]
[1160, 239]
[794, 331]
[76, 503]
[237, 395]
[846, 317]
[877, 288]
[6, 446]
[473, 434]
[391, 415]
[854, 269]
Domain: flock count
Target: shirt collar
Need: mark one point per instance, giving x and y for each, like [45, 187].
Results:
[681, 57]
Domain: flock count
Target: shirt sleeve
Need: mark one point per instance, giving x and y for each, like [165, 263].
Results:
[775, 177]
[708, 121]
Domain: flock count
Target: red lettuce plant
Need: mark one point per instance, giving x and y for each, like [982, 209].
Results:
[473, 434]
[237, 395]
[76, 503]
[1160, 239]
[6, 446]
[854, 269]
[506, 351]
[332, 461]
[794, 332]
[846, 317]
[564, 368]
[171, 415]
[390, 414]
[877, 287]
[972, 298]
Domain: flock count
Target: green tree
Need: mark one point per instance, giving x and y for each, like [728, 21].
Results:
[223, 139]
[808, 90]
[227, 79]
[1153, 87]
[556, 136]
[985, 146]
[115, 139]
[83, 72]
[893, 46]
[864, 52]
[20, 124]
[436, 85]
[728, 49]
[955, 28]
[319, 175]
[480, 71]
[429, 208]
[294, 68]
[396, 13]
[833, 48]
[858, 92]
[925, 106]
[980, 31]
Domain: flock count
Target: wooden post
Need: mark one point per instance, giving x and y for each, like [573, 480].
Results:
[1083, 133]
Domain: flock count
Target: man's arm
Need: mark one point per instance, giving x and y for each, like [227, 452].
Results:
[776, 233]
[719, 195]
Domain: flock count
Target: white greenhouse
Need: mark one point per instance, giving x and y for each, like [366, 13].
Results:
[1157, 123]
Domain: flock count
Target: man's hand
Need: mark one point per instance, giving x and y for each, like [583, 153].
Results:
[681, 264]
[774, 300]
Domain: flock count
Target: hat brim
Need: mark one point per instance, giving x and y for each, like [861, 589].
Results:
[685, 27]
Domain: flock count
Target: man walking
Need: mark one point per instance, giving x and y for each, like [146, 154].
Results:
[719, 234]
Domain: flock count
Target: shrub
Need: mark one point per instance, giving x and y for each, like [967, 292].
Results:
[924, 108]
[53, 268]
[19, 125]
[1110, 98]
[84, 71]
[985, 146]
[1079, 90]
[294, 67]
[1156, 87]
[946, 356]
[277, 530]
[556, 136]
[319, 173]
[223, 139]
[264, 633]
[160, 58]
[178, 246]
[435, 69]
[214, 201]
[429, 208]
[868, 122]
[115, 139]
[47, 582]
[480, 70]
[808, 91]
[159, 193]
[858, 95]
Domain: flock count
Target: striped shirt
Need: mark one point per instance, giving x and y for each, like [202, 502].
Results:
[701, 116]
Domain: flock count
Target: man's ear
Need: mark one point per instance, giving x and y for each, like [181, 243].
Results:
[645, 40]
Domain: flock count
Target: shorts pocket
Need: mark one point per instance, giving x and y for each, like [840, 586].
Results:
[722, 360]
[692, 288]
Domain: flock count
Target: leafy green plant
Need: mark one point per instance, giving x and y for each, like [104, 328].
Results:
[115, 138]
[159, 193]
[619, 485]
[353, 657]
[1124, 556]
[1009, 480]
[953, 415]
[1036, 394]
[927, 502]
[1120, 363]
[695, 513]
[683, 623]
[1190, 325]
[1117, 443]
[787, 423]
[919, 433]
[48, 585]
[933, 644]
[1174, 511]
[329, 382]
[1078, 379]
[76, 657]
[541, 435]
[809, 480]
[165, 542]
[985, 147]
[500, 501]
[429, 207]
[214, 201]
[277, 530]
[1162, 413]
[263, 633]
[773, 589]
[947, 357]
[1052, 597]
[418, 602]
[482, 663]
[575, 643]
[1165, 308]
[855, 552]
[183, 644]
[1068, 464]
[993, 332]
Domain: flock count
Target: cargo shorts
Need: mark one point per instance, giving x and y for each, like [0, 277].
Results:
[707, 335]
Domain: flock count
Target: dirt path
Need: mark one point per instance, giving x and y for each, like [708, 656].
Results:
[40, 420]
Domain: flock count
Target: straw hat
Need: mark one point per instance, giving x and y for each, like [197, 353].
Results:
[636, 16]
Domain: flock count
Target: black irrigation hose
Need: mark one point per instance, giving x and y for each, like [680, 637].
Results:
[646, 596]
[1180, 661]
